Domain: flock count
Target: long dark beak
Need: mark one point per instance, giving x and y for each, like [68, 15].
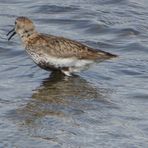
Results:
[13, 33]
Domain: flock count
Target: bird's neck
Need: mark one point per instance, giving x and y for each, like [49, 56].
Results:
[26, 35]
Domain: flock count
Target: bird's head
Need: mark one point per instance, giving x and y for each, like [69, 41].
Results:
[23, 27]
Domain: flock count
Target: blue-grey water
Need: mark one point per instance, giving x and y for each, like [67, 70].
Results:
[103, 107]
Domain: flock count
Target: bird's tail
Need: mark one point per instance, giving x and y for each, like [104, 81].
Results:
[105, 55]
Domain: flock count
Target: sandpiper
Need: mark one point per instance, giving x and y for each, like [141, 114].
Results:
[56, 53]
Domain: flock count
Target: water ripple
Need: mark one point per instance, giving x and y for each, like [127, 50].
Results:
[105, 106]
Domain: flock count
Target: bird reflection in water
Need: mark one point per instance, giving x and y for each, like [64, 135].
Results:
[61, 96]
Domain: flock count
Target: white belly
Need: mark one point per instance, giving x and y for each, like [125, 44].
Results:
[59, 62]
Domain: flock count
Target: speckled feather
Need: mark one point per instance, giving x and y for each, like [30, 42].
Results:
[65, 48]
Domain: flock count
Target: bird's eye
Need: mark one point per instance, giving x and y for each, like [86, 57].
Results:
[15, 22]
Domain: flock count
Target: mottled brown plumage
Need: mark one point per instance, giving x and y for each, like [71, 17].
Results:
[53, 52]
[65, 48]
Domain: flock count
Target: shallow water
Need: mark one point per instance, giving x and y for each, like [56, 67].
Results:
[105, 106]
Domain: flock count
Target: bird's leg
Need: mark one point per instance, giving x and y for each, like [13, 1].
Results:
[66, 71]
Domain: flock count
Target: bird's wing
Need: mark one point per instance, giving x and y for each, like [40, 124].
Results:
[65, 48]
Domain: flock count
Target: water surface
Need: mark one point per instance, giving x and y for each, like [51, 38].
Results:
[105, 106]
